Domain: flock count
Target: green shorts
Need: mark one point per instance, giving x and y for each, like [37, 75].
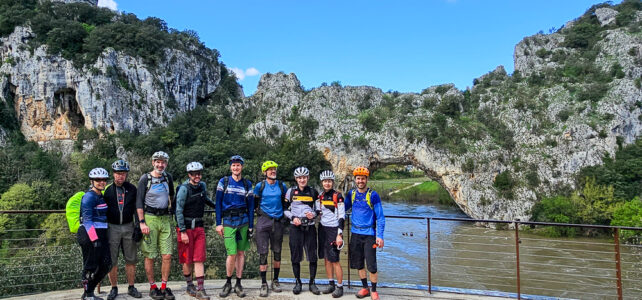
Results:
[159, 237]
[236, 239]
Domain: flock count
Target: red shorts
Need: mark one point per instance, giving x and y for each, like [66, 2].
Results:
[194, 251]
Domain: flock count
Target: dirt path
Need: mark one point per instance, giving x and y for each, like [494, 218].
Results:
[399, 190]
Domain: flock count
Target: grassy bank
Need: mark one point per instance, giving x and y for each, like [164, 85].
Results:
[427, 191]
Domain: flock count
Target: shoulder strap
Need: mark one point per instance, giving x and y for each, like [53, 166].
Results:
[283, 190]
[263, 183]
[149, 182]
[368, 195]
[335, 195]
[246, 184]
[226, 181]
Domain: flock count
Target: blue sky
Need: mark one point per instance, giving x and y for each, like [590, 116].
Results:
[402, 45]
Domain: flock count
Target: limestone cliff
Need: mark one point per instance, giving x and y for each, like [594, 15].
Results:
[564, 108]
[53, 98]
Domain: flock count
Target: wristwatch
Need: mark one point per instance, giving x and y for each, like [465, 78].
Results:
[142, 221]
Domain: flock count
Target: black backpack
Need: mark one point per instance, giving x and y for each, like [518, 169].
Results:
[246, 185]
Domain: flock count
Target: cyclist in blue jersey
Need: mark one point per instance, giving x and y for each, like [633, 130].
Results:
[270, 198]
[234, 221]
[368, 223]
[92, 235]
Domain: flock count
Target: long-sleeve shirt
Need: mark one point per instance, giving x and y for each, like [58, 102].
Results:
[363, 216]
[301, 202]
[236, 197]
[194, 206]
[332, 214]
[93, 213]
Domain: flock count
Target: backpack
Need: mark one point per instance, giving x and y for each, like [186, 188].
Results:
[172, 200]
[368, 195]
[264, 183]
[72, 211]
[246, 185]
[335, 196]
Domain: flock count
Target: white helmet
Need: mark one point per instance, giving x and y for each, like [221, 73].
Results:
[301, 171]
[194, 166]
[98, 173]
[160, 155]
[327, 174]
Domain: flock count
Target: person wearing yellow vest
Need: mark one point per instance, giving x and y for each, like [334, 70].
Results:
[368, 223]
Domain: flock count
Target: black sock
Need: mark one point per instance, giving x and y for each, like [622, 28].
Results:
[364, 282]
[296, 269]
[276, 273]
[374, 286]
[331, 282]
[188, 279]
[313, 271]
[229, 279]
[131, 286]
[263, 280]
[238, 281]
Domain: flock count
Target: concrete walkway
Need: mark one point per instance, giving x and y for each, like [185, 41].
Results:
[213, 287]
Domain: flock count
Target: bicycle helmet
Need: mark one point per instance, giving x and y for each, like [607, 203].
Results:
[160, 155]
[194, 166]
[98, 173]
[237, 159]
[361, 171]
[301, 171]
[327, 174]
[268, 164]
[120, 166]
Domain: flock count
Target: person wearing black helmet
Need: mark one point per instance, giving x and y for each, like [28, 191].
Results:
[92, 234]
[121, 216]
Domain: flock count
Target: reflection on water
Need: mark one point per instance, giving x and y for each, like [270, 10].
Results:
[467, 256]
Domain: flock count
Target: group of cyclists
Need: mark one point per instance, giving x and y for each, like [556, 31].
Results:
[116, 217]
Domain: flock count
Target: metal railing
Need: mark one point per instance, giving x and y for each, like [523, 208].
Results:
[448, 254]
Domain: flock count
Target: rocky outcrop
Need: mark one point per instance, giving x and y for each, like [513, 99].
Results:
[554, 134]
[53, 98]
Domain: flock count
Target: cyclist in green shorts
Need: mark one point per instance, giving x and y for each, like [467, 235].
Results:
[234, 221]
[153, 205]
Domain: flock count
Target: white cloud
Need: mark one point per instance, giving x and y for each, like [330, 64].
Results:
[111, 4]
[251, 72]
[240, 74]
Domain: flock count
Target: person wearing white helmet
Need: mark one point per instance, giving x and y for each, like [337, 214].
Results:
[154, 208]
[92, 235]
[332, 207]
[121, 216]
[191, 198]
[303, 234]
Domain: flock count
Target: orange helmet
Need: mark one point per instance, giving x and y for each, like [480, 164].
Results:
[361, 171]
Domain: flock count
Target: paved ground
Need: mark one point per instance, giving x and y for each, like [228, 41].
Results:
[251, 287]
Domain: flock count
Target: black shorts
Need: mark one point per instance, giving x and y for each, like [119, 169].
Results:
[303, 238]
[360, 249]
[327, 235]
[269, 233]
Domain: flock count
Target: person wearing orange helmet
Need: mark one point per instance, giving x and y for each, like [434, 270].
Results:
[368, 223]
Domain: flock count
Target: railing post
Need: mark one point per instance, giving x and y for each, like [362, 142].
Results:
[349, 234]
[618, 269]
[429, 262]
[519, 292]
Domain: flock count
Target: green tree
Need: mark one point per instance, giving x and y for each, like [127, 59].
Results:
[629, 214]
[19, 197]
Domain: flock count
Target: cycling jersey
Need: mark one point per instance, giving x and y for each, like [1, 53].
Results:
[332, 214]
[235, 200]
[366, 220]
[93, 212]
[301, 202]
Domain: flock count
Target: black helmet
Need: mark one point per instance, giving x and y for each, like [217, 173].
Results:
[237, 159]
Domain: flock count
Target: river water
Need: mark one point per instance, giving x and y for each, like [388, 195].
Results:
[467, 256]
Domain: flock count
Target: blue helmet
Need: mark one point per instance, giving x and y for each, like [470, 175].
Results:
[237, 159]
[120, 166]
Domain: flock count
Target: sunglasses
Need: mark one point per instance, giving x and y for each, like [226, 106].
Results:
[101, 180]
[195, 174]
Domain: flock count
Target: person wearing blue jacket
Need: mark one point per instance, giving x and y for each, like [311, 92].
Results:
[234, 221]
[368, 223]
[92, 235]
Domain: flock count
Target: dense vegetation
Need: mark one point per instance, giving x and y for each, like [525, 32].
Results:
[609, 194]
[81, 32]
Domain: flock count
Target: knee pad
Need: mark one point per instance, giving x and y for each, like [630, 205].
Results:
[277, 256]
[263, 259]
